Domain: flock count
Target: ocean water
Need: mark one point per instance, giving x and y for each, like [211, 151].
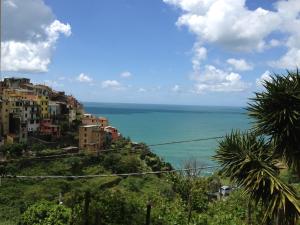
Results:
[154, 124]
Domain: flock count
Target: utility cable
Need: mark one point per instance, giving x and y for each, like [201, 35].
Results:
[109, 150]
[185, 141]
[105, 175]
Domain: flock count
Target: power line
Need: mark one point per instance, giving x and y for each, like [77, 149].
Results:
[110, 150]
[185, 141]
[106, 175]
[70, 154]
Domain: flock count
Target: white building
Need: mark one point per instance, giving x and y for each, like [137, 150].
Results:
[30, 115]
[54, 108]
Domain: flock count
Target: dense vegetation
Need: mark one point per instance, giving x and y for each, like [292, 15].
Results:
[265, 193]
[176, 198]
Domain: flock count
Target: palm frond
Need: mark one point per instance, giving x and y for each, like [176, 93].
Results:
[247, 161]
[276, 111]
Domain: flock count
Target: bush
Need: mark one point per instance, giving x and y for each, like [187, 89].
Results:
[46, 213]
[14, 150]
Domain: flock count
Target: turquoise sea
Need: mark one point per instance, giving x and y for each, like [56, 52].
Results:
[153, 124]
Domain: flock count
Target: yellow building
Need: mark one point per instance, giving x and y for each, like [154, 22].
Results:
[11, 114]
[43, 103]
[91, 137]
[10, 105]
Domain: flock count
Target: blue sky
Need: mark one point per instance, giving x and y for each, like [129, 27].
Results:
[203, 52]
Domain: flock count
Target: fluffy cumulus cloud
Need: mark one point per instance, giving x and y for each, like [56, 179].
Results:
[231, 25]
[227, 22]
[125, 74]
[290, 60]
[289, 11]
[112, 84]
[239, 64]
[84, 78]
[266, 76]
[217, 80]
[31, 33]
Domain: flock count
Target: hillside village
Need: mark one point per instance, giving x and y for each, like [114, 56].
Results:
[37, 112]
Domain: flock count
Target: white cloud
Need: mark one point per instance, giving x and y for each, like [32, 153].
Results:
[112, 84]
[231, 25]
[176, 88]
[30, 36]
[274, 43]
[228, 23]
[290, 60]
[84, 78]
[10, 4]
[142, 90]
[54, 84]
[239, 64]
[289, 12]
[126, 74]
[266, 76]
[200, 54]
[217, 80]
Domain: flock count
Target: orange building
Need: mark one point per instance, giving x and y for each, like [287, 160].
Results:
[91, 137]
[113, 132]
[89, 119]
[47, 128]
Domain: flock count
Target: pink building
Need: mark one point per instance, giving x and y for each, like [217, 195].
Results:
[113, 132]
[47, 128]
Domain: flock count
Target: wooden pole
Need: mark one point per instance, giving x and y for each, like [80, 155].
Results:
[148, 215]
[87, 198]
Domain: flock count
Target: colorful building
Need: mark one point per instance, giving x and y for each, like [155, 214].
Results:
[53, 109]
[112, 132]
[47, 128]
[31, 115]
[89, 119]
[91, 137]
[14, 83]
[27, 107]
[43, 102]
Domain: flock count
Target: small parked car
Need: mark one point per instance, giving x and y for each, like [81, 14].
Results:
[225, 190]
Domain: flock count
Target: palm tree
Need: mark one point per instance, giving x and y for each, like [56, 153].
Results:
[247, 160]
[276, 111]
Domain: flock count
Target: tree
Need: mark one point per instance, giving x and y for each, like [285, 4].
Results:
[247, 161]
[192, 188]
[276, 111]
